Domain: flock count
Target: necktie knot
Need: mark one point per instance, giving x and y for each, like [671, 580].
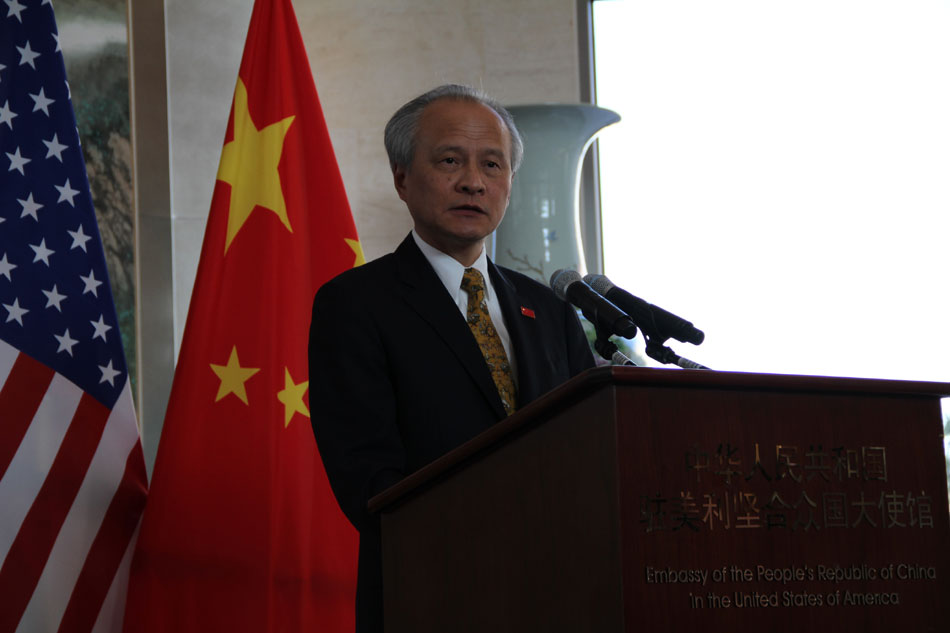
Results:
[474, 284]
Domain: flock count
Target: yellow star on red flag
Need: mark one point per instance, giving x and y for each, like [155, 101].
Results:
[291, 396]
[249, 164]
[233, 377]
[357, 249]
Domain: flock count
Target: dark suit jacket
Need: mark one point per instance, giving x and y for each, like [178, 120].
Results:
[397, 380]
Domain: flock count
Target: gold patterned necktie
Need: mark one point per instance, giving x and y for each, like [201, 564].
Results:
[487, 336]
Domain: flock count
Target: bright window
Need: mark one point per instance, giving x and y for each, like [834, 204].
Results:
[781, 177]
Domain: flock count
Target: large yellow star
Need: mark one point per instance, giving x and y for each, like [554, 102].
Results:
[292, 398]
[357, 249]
[249, 165]
[233, 377]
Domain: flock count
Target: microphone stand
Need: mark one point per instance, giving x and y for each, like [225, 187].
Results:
[659, 352]
[608, 349]
[654, 349]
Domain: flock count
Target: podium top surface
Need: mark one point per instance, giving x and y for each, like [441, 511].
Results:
[769, 382]
[598, 378]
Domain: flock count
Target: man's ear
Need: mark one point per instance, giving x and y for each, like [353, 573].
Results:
[399, 181]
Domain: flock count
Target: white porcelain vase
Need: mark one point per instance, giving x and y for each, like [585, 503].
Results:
[541, 231]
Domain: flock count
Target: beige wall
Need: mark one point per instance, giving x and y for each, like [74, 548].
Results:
[367, 61]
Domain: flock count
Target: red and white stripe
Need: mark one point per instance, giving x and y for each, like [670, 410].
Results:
[72, 489]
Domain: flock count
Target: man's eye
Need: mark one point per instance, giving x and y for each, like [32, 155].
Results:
[450, 161]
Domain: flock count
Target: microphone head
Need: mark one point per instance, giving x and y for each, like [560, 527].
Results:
[561, 279]
[600, 283]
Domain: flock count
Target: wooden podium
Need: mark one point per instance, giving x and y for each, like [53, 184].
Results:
[661, 500]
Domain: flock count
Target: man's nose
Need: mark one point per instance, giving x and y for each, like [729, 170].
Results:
[472, 181]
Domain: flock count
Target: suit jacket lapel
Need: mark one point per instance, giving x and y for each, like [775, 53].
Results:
[424, 292]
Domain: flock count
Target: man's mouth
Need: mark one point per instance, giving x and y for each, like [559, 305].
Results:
[468, 207]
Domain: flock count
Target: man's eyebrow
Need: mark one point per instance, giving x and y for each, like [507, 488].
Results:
[495, 151]
[492, 152]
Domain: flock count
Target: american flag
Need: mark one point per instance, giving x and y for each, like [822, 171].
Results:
[72, 476]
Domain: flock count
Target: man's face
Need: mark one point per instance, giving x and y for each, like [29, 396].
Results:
[459, 182]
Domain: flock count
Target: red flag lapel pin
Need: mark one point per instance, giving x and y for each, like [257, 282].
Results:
[528, 312]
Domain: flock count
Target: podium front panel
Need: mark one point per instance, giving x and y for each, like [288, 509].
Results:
[755, 510]
[522, 537]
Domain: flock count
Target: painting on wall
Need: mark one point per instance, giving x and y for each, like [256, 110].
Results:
[94, 38]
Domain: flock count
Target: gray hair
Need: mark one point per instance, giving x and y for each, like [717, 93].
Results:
[400, 134]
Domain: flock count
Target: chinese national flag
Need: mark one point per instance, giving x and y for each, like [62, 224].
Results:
[241, 531]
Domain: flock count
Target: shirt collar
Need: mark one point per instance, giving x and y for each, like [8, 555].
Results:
[449, 270]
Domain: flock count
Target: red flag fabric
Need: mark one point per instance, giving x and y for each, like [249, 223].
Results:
[241, 531]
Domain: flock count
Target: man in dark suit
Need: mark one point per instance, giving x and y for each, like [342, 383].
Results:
[415, 353]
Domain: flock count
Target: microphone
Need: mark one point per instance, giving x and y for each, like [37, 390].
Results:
[653, 320]
[568, 286]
